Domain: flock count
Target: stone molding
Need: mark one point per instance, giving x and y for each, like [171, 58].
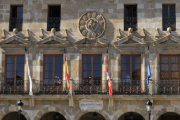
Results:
[53, 41]
[130, 40]
[14, 41]
[91, 43]
[167, 40]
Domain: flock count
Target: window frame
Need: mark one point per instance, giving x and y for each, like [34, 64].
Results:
[131, 55]
[15, 66]
[171, 4]
[53, 75]
[131, 16]
[169, 56]
[92, 77]
[48, 15]
[10, 17]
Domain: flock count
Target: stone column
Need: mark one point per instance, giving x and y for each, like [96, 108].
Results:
[2, 64]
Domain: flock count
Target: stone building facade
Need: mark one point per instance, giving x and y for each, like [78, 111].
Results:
[92, 29]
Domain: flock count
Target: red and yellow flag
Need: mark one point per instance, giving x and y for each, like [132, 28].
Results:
[67, 73]
[109, 81]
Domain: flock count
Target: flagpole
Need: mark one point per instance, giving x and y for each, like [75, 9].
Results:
[29, 75]
[148, 70]
[67, 70]
[107, 73]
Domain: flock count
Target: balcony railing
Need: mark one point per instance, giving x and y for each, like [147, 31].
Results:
[169, 22]
[135, 87]
[90, 87]
[53, 22]
[130, 22]
[40, 87]
[166, 87]
[14, 87]
[15, 23]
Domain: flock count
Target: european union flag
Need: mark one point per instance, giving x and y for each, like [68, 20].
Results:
[149, 73]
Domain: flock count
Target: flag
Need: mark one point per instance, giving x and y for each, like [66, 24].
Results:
[149, 73]
[109, 81]
[67, 73]
[29, 75]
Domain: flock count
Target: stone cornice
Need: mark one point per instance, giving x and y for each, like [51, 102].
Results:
[14, 41]
[130, 40]
[92, 43]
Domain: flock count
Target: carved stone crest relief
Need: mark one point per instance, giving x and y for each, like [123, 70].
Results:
[92, 25]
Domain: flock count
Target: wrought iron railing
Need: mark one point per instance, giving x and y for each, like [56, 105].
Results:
[40, 87]
[130, 22]
[166, 87]
[15, 23]
[131, 87]
[134, 87]
[89, 87]
[169, 22]
[14, 87]
[53, 22]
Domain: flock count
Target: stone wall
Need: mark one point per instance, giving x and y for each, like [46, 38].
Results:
[35, 18]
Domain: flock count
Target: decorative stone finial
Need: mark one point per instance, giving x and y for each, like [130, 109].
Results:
[15, 31]
[3, 34]
[157, 33]
[143, 33]
[53, 30]
[41, 33]
[130, 31]
[65, 34]
[168, 30]
[26, 34]
[118, 33]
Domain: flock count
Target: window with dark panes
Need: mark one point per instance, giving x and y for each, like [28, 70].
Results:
[53, 69]
[14, 70]
[92, 69]
[131, 68]
[169, 17]
[16, 18]
[169, 67]
[54, 17]
[130, 17]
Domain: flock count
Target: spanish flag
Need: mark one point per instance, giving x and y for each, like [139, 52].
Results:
[109, 81]
[67, 73]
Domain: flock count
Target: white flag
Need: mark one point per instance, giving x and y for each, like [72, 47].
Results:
[29, 75]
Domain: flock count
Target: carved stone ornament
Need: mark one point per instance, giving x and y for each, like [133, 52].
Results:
[92, 25]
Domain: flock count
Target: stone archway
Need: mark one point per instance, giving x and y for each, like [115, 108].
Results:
[5, 111]
[131, 116]
[79, 114]
[169, 116]
[165, 110]
[13, 116]
[92, 116]
[120, 113]
[49, 109]
[53, 116]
